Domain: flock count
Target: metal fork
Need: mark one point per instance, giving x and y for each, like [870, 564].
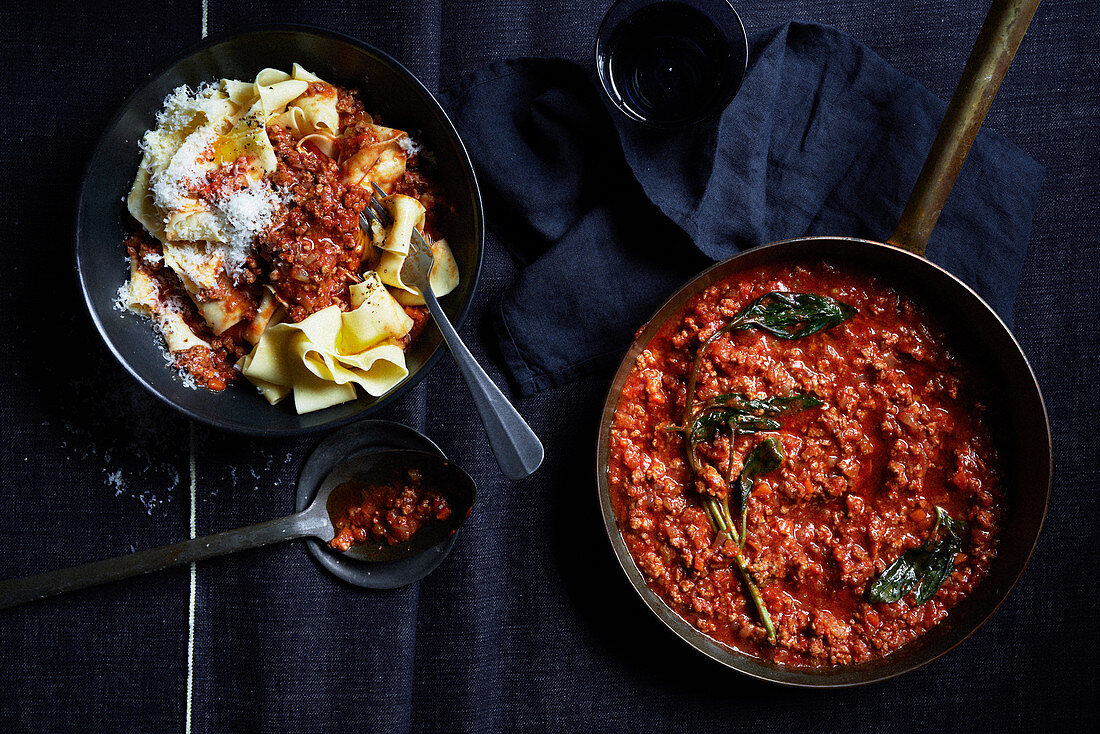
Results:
[517, 449]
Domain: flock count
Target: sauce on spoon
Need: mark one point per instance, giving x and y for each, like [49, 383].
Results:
[387, 511]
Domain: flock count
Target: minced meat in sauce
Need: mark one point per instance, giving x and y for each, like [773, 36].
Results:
[389, 513]
[314, 249]
[900, 432]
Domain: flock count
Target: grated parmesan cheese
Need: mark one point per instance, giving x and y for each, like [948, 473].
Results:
[182, 105]
[181, 114]
[184, 376]
[122, 298]
[243, 214]
[407, 144]
[172, 186]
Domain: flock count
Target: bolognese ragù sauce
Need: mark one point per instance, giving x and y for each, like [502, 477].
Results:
[385, 513]
[899, 433]
[312, 254]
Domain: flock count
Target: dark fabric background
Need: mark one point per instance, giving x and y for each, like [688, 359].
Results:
[824, 137]
[528, 625]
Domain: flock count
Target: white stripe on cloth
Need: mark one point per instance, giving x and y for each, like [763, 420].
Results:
[194, 574]
[194, 569]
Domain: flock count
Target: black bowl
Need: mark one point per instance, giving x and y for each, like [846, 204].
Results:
[389, 90]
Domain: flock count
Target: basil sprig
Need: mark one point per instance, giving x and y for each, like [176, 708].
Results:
[784, 315]
[744, 415]
[921, 570]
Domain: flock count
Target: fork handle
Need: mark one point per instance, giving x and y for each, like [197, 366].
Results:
[517, 449]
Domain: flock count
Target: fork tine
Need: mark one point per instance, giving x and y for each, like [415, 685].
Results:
[422, 241]
[384, 215]
[380, 211]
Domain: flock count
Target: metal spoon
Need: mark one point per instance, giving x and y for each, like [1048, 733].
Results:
[314, 521]
[517, 449]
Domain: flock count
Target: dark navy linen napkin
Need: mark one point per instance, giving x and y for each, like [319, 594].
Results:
[824, 137]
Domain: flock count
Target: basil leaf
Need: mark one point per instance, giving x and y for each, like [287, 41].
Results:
[921, 570]
[765, 458]
[938, 565]
[707, 423]
[744, 415]
[783, 405]
[954, 527]
[773, 407]
[898, 578]
[752, 424]
[792, 315]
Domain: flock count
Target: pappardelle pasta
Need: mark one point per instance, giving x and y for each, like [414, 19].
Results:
[252, 260]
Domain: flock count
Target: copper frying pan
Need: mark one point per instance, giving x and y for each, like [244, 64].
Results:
[1017, 416]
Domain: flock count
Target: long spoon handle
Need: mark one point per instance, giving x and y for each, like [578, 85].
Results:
[1001, 34]
[517, 449]
[29, 588]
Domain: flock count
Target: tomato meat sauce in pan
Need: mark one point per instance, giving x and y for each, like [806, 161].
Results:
[898, 433]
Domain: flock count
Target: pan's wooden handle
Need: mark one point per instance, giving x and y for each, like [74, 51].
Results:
[1001, 34]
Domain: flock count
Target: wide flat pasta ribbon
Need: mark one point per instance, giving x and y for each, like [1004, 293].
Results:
[443, 277]
[293, 120]
[248, 137]
[276, 89]
[196, 263]
[408, 215]
[382, 161]
[322, 357]
[324, 143]
[319, 109]
[141, 296]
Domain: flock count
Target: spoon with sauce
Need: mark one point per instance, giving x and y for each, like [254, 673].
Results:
[360, 489]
